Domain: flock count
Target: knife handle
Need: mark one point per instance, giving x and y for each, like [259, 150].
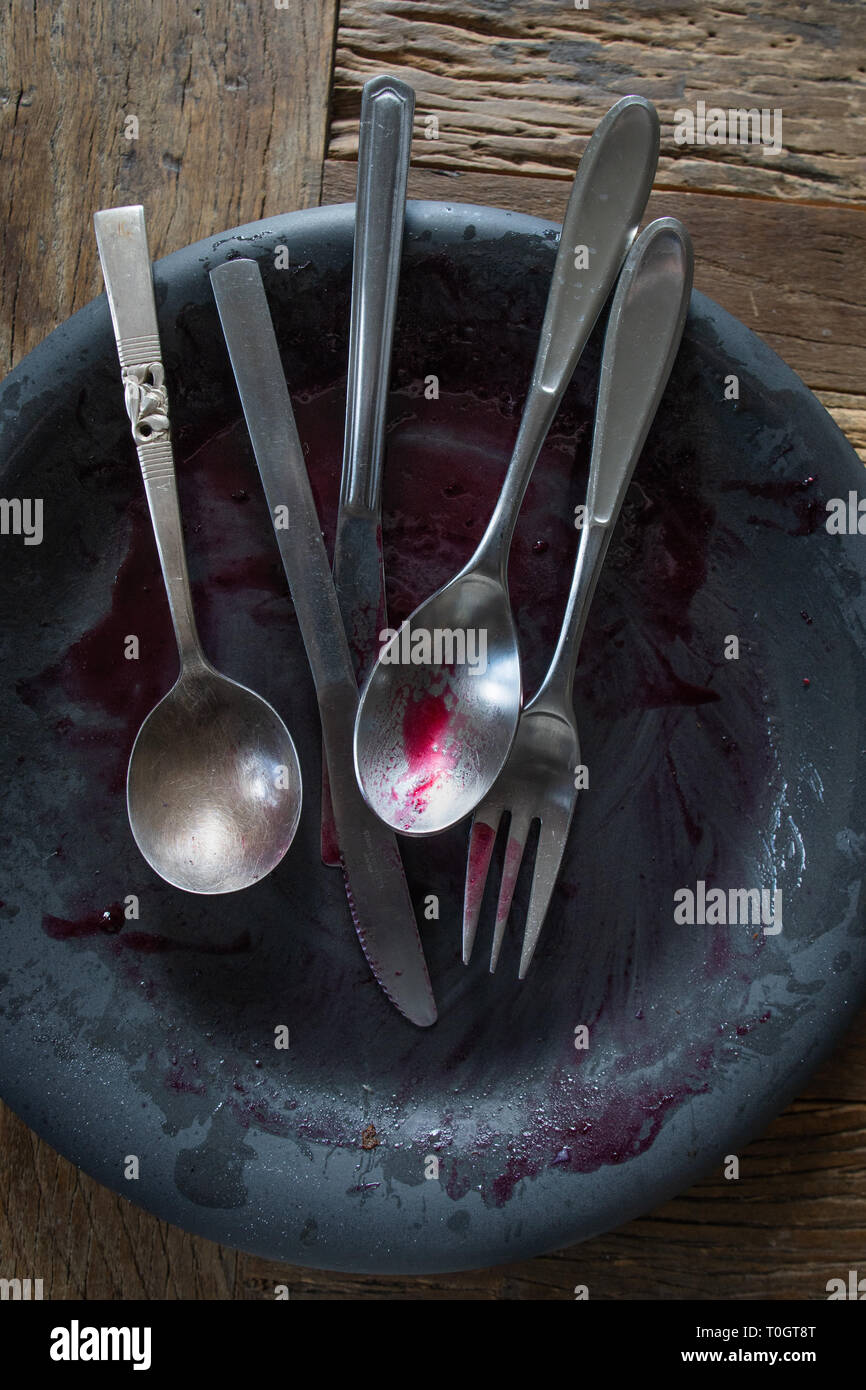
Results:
[387, 110]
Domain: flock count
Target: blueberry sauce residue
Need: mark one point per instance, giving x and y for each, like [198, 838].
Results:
[430, 731]
[655, 712]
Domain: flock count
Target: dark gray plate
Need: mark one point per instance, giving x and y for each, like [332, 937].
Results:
[154, 1036]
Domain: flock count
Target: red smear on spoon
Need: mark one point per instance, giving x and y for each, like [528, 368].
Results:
[427, 722]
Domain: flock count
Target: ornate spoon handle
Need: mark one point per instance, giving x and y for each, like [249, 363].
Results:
[126, 266]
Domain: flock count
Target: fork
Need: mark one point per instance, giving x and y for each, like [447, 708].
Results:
[539, 779]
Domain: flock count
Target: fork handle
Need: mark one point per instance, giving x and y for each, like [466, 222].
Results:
[641, 341]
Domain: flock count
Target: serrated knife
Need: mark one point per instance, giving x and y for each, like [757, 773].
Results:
[375, 883]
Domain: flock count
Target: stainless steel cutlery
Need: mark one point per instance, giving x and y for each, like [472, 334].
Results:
[538, 780]
[384, 146]
[214, 784]
[462, 725]
[375, 882]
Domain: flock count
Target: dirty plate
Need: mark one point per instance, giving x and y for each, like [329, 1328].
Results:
[137, 1020]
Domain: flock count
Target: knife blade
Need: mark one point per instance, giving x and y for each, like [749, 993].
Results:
[384, 149]
[375, 883]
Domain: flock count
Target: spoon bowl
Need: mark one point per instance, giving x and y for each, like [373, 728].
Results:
[213, 789]
[439, 712]
[432, 733]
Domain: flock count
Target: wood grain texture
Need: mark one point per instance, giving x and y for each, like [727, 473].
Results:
[231, 103]
[232, 106]
[808, 301]
[518, 88]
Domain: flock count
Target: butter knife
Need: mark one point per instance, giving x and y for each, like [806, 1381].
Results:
[375, 883]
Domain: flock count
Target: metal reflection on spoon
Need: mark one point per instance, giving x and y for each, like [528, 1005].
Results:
[431, 737]
[214, 783]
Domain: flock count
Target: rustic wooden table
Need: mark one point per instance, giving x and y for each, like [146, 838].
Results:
[245, 110]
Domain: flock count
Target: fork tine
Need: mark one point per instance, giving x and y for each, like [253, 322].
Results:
[517, 833]
[552, 839]
[485, 824]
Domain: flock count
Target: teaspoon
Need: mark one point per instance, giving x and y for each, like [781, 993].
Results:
[213, 788]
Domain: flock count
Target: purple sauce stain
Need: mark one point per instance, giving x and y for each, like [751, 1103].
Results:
[255, 572]
[481, 844]
[429, 727]
[621, 1127]
[743, 1028]
[795, 494]
[663, 541]
[253, 1110]
[457, 1183]
[577, 1129]
[107, 922]
[670, 689]
[510, 872]
[109, 695]
[181, 1083]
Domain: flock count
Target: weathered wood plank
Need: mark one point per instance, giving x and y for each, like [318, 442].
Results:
[517, 88]
[83, 1241]
[849, 412]
[793, 273]
[231, 104]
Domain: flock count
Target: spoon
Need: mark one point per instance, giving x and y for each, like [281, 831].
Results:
[213, 788]
[439, 711]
